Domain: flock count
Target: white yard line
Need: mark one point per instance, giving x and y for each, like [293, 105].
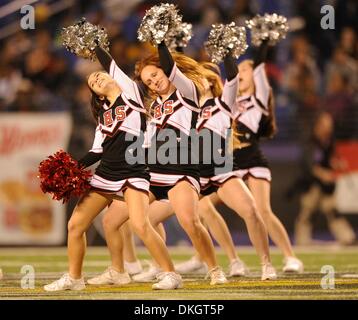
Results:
[34, 251]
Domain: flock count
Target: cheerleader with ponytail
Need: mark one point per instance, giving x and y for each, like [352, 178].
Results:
[254, 119]
[174, 82]
[120, 115]
[218, 181]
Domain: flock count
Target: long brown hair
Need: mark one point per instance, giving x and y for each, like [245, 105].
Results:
[96, 103]
[269, 127]
[188, 66]
[212, 73]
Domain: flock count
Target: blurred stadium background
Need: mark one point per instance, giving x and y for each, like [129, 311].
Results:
[44, 102]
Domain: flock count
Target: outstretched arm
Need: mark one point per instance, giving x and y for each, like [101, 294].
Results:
[95, 154]
[89, 159]
[128, 86]
[261, 54]
[262, 86]
[185, 86]
[230, 87]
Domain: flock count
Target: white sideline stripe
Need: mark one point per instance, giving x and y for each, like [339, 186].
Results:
[97, 263]
[355, 276]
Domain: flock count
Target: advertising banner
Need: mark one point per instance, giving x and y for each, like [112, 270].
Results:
[27, 215]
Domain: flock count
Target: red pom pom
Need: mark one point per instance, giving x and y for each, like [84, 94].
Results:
[63, 177]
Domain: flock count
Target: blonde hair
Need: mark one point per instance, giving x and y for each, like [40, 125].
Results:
[188, 66]
[269, 129]
[212, 73]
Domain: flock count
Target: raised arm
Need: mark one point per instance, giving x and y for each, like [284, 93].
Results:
[230, 87]
[262, 86]
[261, 54]
[129, 87]
[95, 154]
[185, 86]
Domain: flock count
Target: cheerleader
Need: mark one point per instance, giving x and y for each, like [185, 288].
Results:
[176, 108]
[215, 119]
[118, 109]
[254, 118]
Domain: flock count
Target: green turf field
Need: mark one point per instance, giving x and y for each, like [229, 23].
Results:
[50, 263]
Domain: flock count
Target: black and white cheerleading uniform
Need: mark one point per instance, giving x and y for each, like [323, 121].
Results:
[179, 113]
[119, 126]
[215, 121]
[249, 115]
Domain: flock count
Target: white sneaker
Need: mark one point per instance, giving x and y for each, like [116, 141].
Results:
[292, 264]
[268, 272]
[133, 267]
[238, 269]
[111, 276]
[168, 281]
[149, 275]
[1, 275]
[66, 283]
[193, 265]
[217, 276]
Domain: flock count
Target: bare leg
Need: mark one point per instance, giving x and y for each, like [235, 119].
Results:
[129, 250]
[217, 225]
[111, 225]
[159, 211]
[88, 207]
[261, 191]
[236, 195]
[138, 206]
[184, 201]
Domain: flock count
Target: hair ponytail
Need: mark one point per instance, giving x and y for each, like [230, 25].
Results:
[212, 73]
[96, 105]
[269, 128]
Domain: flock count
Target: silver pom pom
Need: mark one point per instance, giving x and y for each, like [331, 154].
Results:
[224, 39]
[158, 20]
[83, 37]
[271, 27]
[179, 36]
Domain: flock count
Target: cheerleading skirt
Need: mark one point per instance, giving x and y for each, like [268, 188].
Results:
[250, 161]
[118, 187]
[160, 183]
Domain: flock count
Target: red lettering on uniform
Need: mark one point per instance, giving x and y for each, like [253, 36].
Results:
[120, 113]
[241, 106]
[168, 107]
[157, 111]
[206, 113]
[107, 118]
